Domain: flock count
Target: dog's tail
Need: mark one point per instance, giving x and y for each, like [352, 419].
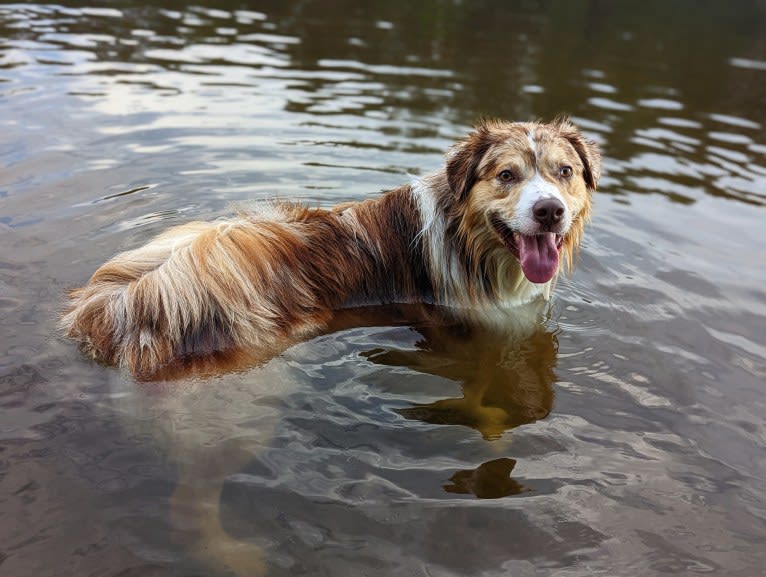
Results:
[136, 308]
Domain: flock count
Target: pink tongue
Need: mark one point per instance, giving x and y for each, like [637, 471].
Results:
[539, 256]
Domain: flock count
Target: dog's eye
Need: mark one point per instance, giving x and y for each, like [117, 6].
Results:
[565, 171]
[505, 176]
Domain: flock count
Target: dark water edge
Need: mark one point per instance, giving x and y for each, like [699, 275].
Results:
[623, 437]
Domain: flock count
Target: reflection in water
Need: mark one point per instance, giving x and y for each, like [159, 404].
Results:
[120, 121]
[506, 378]
[195, 512]
[490, 480]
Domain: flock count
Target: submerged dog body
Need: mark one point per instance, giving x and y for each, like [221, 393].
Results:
[491, 230]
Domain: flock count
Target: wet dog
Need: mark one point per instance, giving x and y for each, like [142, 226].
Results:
[489, 231]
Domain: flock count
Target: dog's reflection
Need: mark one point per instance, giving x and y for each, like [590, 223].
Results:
[506, 379]
[506, 376]
[490, 480]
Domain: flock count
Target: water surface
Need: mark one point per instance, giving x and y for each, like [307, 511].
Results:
[623, 437]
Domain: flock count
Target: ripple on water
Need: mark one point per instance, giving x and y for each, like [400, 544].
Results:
[623, 437]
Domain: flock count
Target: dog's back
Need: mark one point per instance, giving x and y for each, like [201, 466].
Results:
[256, 280]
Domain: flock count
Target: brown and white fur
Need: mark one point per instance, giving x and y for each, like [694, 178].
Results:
[511, 203]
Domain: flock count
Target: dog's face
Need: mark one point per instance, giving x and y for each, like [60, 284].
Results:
[525, 187]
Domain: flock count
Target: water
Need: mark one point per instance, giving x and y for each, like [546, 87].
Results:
[626, 437]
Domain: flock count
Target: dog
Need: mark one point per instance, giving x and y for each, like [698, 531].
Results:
[489, 231]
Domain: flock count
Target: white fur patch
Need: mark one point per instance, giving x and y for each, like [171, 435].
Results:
[442, 263]
[426, 206]
[535, 190]
[532, 142]
[432, 225]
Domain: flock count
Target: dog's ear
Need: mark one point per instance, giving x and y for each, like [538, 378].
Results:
[587, 150]
[463, 159]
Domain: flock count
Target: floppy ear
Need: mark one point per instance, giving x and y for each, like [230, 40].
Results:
[587, 150]
[463, 159]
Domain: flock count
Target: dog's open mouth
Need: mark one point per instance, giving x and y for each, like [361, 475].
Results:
[537, 253]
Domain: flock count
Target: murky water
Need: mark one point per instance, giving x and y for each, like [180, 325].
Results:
[626, 437]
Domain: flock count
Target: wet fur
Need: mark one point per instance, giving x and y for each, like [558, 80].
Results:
[267, 277]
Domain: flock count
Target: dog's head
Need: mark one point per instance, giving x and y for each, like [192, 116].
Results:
[525, 187]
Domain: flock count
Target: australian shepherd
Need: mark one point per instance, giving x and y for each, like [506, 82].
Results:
[489, 231]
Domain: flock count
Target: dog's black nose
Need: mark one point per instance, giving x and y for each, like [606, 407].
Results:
[548, 211]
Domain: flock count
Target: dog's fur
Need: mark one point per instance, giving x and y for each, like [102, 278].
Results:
[277, 273]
